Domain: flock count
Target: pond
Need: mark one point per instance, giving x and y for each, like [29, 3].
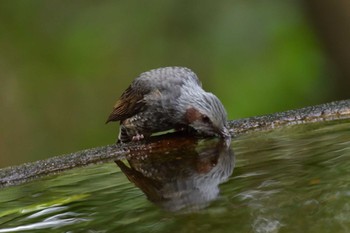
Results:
[293, 179]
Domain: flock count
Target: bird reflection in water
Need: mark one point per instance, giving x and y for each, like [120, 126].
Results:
[184, 178]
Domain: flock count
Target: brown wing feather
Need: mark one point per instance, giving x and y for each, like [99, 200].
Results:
[168, 78]
[128, 105]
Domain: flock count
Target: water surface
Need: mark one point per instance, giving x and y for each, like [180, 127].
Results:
[294, 179]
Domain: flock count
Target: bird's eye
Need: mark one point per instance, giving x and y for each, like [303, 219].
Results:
[206, 119]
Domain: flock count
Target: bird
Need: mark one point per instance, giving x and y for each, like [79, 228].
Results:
[168, 98]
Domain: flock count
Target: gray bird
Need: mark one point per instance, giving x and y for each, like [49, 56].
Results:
[168, 98]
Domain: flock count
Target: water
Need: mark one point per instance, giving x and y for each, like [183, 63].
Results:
[294, 179]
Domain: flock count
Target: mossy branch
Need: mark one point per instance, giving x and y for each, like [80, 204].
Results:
[26, 172]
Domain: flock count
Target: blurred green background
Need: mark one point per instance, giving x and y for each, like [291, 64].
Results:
[63, 64]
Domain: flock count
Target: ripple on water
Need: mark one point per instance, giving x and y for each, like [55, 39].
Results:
[293, 179]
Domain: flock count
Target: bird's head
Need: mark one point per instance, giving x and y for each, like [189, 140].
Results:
[208, 116]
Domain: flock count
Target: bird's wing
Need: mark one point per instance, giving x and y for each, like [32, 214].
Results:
[129, 104]
[149, 86]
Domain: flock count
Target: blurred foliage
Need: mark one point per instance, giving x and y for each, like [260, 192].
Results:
[63, 64]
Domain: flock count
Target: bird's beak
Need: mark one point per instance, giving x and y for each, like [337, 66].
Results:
[225, 133]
